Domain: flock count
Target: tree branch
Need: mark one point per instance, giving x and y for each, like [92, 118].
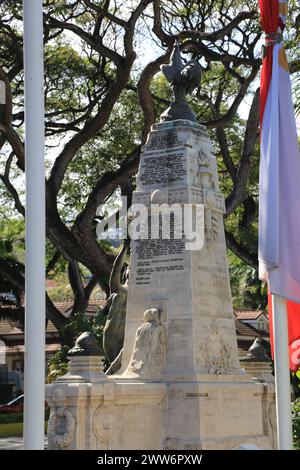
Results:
[219, 34]
[11, 189]
[221, 136]
[105, 186]
[52, 262]
[88, 38]
[105, 13]
[144, 94]
[6, 122]
[240, 250]
[227, 118]
[239, 192]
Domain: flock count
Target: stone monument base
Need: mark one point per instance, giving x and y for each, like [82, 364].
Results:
[216, 412]
[180, 385]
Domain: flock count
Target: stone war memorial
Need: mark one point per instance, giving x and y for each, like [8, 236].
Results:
[180, 384]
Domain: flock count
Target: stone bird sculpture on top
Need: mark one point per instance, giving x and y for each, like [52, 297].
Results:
[183, 79]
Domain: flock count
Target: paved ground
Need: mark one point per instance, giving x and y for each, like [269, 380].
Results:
[13, 443]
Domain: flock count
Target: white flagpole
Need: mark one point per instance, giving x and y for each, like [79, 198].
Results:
[282, 374]
[34, 408]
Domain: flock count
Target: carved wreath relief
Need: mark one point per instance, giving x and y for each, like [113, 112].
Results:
[61, 440]
[216, 353]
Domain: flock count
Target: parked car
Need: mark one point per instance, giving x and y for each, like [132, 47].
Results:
[16, 406]
[13, 406]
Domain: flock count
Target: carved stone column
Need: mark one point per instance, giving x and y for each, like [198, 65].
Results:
[189, 286]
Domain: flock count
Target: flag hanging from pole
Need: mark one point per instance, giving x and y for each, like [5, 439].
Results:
[293, 317]
[279, 182]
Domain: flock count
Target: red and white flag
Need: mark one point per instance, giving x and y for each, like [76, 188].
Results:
[279, 182]
[293, 316]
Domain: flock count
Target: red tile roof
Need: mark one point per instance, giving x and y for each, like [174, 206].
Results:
[7, 327]
[20, 348]
[242, 329]
[248, 314]
[91, 308]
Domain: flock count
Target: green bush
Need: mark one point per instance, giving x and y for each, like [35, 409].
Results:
[58, 364]
[9, 418]
[6, 418]
[94, 324]
[296, 423]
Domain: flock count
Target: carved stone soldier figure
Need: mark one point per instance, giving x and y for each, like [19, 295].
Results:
[113, 333]
[149, 353]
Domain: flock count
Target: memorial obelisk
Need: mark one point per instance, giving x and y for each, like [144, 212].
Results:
[190, 287]
[180, 385]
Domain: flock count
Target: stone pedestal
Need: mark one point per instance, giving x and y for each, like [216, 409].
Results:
[84, 369]
[259, 371]
[180, 385]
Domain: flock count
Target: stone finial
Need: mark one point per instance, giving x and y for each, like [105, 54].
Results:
[183, 79]
[85, 345]
[257, 351]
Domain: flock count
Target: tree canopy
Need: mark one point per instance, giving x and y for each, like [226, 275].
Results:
[103, 91]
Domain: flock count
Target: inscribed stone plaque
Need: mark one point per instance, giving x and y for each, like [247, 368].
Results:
[163, 161]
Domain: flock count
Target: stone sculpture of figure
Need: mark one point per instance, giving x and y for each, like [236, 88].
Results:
[149, 352]
[183, 79]
[257, 351]
[113, 332]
